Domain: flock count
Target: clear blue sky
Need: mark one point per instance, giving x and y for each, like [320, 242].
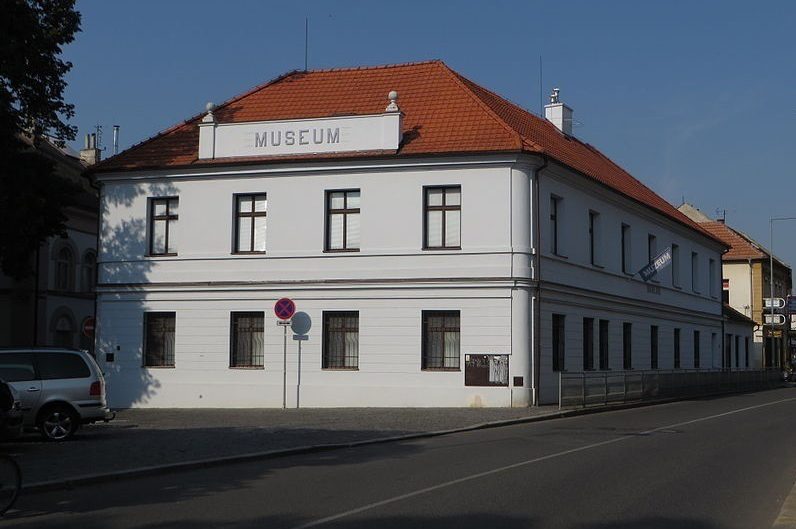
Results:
[693, 98]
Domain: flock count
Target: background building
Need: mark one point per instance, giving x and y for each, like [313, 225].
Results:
[746, 282]
[444, 248]
[50, 306]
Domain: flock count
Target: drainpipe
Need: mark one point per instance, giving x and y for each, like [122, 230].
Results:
[537, 305]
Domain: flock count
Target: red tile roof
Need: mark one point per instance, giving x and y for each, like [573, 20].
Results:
[444, 113]
[742, 247]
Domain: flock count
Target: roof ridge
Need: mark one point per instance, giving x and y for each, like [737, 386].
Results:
[374, 67]
[458, 79]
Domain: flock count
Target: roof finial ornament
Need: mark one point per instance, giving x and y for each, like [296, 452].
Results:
[393, 106]
[209, 117]
[554, 99]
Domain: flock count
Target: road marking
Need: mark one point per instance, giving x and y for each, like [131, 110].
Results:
[787, 516]
[418, 492]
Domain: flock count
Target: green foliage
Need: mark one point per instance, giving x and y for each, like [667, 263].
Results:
[32, 198]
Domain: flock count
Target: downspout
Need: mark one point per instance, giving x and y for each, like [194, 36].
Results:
[537, 317]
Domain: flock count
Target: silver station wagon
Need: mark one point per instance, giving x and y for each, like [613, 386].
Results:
[59, 389]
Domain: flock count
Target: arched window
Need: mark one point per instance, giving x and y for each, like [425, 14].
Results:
[88, 272]
[64, 269]
[64, 331]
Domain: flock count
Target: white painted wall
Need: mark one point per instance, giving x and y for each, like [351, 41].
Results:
[740, 277]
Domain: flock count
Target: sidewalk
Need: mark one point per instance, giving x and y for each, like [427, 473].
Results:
[146, 438]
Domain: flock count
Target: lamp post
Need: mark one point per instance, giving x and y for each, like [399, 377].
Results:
[771, 222]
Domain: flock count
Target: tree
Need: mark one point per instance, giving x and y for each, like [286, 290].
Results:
[32, 197]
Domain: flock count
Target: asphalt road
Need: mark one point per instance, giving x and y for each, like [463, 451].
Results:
[719, 463]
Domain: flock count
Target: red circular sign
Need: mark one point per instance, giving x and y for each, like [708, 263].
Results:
[88, 327]
[284, 308]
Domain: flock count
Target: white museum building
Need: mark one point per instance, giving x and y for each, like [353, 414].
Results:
[443, 247]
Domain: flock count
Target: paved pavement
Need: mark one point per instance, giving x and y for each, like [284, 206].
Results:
[140, 438]
[720, 463]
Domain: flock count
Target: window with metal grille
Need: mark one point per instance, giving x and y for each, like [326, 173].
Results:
[675, 265]
[627, 346]
[696, 349]
[441, 339]
[159, 339]
[626, 255]
[653, 347]
[604, 363]
[588, 344]
[746, 349]
[737, 351]
[342, 221]
[677, 348]
[341, 340]
[162, 226]
[558, 343]
[250, 216]
[64, 269]
[247, 339]
[442, 222]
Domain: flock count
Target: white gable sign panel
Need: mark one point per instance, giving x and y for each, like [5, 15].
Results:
[300, 136]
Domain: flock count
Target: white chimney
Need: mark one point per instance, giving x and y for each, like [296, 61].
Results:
[558, 113]
[90, 154]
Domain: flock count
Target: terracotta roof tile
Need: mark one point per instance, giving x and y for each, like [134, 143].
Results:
[742, 247]
[444, 113]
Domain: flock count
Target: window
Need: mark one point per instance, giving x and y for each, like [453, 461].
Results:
[53, 366]
[713, 347]
[725, 291]
[677, 348]
[342, 221]
[746, 349]
[443, 210]
[64, 331]
[696, 349]
[163, 223]
[627, 346]
[726, 360]
[554, 207]
[250, 217]
[88, 272]
[653, 347]
[17, 367]
[594, 238]
[588, 344]
[247, 336]
[652, 247]
[604, 345]
[737, 351]
[341, 340]
[159, 339]
[694, 271]
[712, 277]
[675, 265]
[626, 264]
[441, 340]
[559, 347]
[64, 269]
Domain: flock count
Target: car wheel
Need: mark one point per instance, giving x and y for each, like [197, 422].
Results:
[58, 423]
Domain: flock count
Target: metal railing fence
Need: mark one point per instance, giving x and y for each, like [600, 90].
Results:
[606, 387]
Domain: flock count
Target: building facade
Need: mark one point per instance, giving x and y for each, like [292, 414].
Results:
[443, 247]
[746, 272]
[50, 307]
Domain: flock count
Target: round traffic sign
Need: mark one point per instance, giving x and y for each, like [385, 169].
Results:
[284, 308]
[88, 327]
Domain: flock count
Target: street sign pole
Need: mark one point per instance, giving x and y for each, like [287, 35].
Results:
[284, 309]
[284, 369]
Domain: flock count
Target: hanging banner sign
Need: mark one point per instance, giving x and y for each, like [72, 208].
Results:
[663, 260]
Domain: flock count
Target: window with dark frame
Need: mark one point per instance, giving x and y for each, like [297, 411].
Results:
[677, 348]
[64, 269]
[652, 251]
[163, 220]
[594, 237]
[342, 220]
[653, 347]
[441, 336]
[696, 350]
[250, 223]
[737, 351]
[588, 344]
[442, 218]
[675, 265]
[340, 340]
[554, 201]
[746, 349]
[559, 343]
[695, 272]
[604, 362]
[725, 291]
[627, 346]
[247, 347]
[159, 330]
[726, 360]
[626, 249]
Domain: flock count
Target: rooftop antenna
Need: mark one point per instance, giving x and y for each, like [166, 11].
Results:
[98, 142]
[306, 41]
[541, 92]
